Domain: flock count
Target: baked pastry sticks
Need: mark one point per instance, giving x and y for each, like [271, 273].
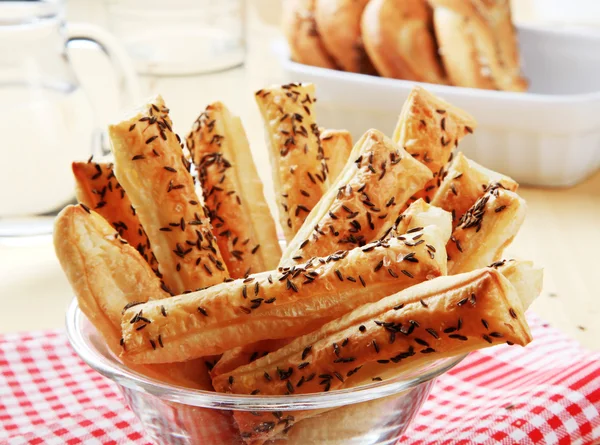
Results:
[429, 129]
[94, 256]
[300, 27]
[398, 38]
[298, 163]
[338, 25]
[97, 187]
[478, 44]
[463, 183]
[485, 230]
[337, 146]
[443, 317]
[150, 165]
[363, 203]
[233, 192]
[281, 304]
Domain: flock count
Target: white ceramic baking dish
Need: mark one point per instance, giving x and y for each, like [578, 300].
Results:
[549, 136]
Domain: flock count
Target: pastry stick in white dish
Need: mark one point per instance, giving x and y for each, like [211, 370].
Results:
[233, 192]
[298, 164]
[304, 40]
[487, 228]
[463, 183]
[430, 129]
[478, 44]
[364, 202]
[338, 25]
[150, 165]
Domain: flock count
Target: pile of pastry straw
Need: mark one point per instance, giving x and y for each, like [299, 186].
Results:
[393, 254]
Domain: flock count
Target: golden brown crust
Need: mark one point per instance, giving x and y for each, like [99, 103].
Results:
[97, 187]
[150, 165]
[304, 39]
[398, 37]
[337, 146]
[298, 164]
[429, 129]
[487, 228]
[282, 304]
[463, 183]
[93, 257]
[363, 203]
[478, 44]
[233, 192]
[444, 317]
[338, 22]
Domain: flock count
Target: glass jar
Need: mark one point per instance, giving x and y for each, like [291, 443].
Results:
[46, 120]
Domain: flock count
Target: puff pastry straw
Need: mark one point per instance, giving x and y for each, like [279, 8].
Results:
[150, 165]
[417, 216]
[281, 304]
[304, 39]
[337, 146]
[429, 129]
[338, 23]
[94, 258]
[363, 203]
[487, 228]
[298, 163]
[233, 192]
[398, 38]
[478, 44]
[444, 317]
[97, 187]
[464, 182]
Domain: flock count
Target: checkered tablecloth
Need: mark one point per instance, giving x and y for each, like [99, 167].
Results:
[546, 393]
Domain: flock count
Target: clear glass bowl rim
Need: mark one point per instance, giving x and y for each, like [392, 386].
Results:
[113, 369]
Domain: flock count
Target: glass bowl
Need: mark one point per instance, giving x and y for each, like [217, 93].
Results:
[377, 413]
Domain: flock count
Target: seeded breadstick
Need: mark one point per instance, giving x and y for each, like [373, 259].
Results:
[107, 275]
[443, 317]
[337, 146]
[97, 187]
[283, 303]
[485, 230]
[429, 129]
[150, 165]
[297, 161]
[417, 216]
[420, 214]
[363, 203]
[465, 182]
[233, 192]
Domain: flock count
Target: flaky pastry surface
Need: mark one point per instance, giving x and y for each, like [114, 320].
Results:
[233, 192]
[151, 166]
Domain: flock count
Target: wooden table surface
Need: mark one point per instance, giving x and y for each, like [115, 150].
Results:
[561, 232]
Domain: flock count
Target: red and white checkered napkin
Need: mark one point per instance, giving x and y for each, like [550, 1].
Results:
[547, 393]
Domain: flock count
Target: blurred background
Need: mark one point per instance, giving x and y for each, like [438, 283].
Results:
[194, 52]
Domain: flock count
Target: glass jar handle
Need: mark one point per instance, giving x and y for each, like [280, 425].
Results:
[128, 81]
